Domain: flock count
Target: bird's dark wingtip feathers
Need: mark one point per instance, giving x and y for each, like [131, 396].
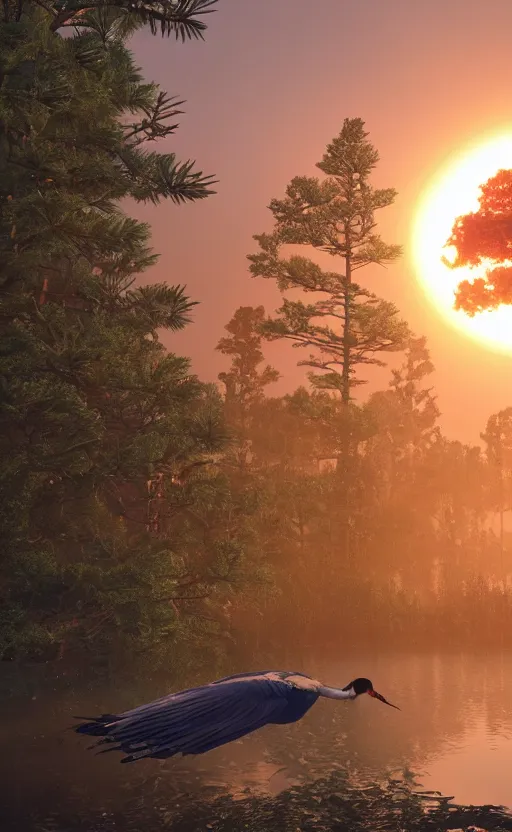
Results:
[107, 750]
[95, 726]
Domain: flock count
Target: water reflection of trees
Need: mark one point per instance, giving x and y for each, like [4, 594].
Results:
[441, 698]
[334, 803]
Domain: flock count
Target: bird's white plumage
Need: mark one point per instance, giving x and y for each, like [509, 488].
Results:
[303, 683]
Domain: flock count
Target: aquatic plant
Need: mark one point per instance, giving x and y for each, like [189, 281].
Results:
[334, 803]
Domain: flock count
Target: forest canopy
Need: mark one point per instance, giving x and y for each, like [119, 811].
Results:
[147, 513]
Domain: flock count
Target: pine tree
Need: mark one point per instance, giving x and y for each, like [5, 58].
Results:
[406, 415]
[245, 382]
[118, 525]
[62, 194]
[498, 440]
[405, 431]
[335, 216]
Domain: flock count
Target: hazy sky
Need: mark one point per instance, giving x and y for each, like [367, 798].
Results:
[267, 91]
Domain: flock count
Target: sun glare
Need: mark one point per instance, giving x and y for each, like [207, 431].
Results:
[455, 192]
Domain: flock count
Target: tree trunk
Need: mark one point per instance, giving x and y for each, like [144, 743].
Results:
[346, 446]
[345, 377]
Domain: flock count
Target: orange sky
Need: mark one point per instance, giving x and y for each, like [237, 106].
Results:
[266, 92]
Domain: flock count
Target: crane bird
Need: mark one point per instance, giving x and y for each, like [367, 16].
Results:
[198, 719]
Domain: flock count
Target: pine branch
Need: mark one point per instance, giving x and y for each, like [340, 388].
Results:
[161, 176]
[154, 125]
[178, 17]
[160, 305]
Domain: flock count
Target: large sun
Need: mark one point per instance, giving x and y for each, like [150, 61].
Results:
[455, 192]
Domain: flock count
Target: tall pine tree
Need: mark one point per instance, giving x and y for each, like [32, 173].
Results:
[118, 527]
[349, 326]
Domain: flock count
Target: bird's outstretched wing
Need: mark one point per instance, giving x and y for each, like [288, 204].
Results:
[193, 721]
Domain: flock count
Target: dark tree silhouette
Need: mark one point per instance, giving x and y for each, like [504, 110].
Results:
[484, 237]
[348, 326]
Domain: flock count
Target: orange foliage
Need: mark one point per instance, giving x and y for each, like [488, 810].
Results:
[485, 237]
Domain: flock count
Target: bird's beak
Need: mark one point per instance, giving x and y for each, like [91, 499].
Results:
[381, 699]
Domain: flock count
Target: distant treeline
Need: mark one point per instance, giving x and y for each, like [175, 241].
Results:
[145, 513]
[387, 540]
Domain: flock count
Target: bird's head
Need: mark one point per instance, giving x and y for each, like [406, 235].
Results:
[359, 686]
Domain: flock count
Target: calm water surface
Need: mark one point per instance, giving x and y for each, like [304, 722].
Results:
[454, 730]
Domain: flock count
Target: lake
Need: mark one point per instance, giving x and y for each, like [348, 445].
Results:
[454, 731]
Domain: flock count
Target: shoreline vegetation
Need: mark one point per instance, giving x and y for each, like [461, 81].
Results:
[331, 803]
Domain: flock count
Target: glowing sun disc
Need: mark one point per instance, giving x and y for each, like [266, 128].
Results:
[454, 193]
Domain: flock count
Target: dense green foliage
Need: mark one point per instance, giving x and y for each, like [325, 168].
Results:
[118, 526]
[144, 511]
